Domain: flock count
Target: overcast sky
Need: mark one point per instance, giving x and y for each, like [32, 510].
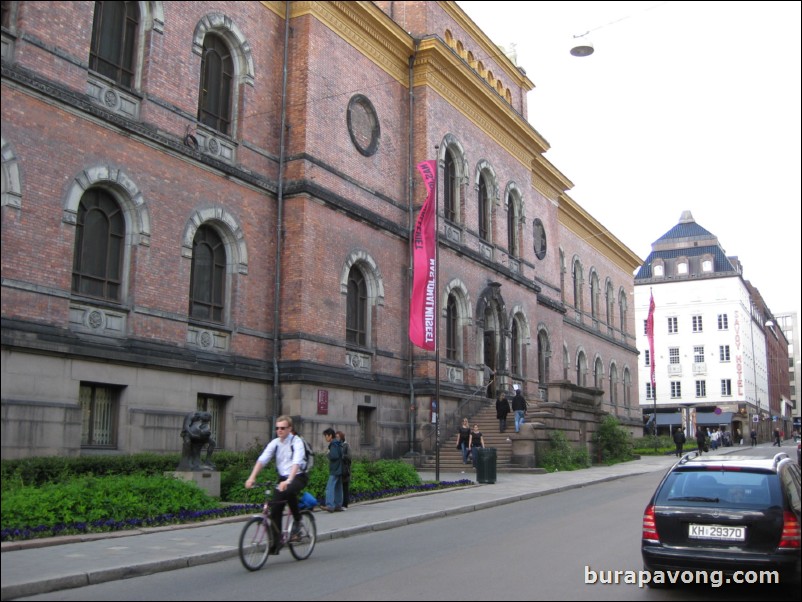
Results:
[682, 106]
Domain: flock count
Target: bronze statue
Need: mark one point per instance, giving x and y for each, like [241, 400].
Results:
[197, 433]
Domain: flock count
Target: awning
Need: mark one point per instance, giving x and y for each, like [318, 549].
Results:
[711, 418]
[669, 419]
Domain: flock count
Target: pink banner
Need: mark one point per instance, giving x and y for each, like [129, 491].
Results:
[423, 301]
[650, 337]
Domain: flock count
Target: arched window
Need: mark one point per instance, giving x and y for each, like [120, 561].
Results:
[614, 387]
[99, 246]
[484, 210]
[357, 308]
[627, 390]
[512, 226]
[452, 324]
[450, 182]
[598, 374]
[577, 275]
[581, 369]
[543, 355]
[217, 74]
[114, 33]
[622, 307]
[595, 296]
[208, 276]
[515, 349]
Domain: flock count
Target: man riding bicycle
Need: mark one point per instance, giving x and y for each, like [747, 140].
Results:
[289, 452]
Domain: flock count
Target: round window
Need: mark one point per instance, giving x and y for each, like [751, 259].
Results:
[363, 125]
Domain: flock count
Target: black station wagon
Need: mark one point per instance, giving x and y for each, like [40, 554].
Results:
[725, 513]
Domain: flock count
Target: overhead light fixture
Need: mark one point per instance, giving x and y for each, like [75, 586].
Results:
[582, 46]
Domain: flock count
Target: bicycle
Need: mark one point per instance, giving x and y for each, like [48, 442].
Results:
[257, 535]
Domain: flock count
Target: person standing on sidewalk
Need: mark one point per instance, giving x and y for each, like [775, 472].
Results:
[346, 468]
[777, 438]
[754, 437]
[502, 409]
[519, 407]
[334, 488]
[477, 441]
[679, 440]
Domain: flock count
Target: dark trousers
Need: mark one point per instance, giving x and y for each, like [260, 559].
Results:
[288, 496]
[679, 449]
[346, 490]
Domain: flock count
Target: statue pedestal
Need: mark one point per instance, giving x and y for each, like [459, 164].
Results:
[208, 480]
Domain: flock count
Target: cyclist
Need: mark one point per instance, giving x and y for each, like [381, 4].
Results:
[289, 452]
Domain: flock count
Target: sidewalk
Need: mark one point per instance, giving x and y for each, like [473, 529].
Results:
[45, 565]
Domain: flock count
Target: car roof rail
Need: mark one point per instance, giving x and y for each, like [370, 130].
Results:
[779, 457]
[689, 456]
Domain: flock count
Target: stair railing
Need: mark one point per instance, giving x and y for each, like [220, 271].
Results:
[449, 423]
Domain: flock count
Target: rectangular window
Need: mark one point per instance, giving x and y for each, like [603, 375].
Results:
[98, 415]
[676, 389]
[701, 388]
[673, 355]
[646, 327]
[722, 322]
[366, 417]
[216, 406]
[647, 358]
[724, 353]
[697, 323]
[698, 354]
[649, 391]
[672, 326]
[726, 387]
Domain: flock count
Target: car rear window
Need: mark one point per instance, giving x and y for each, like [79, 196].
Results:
[737, 489]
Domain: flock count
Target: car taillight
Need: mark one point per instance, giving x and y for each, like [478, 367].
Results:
[650, 526]
[790, 536]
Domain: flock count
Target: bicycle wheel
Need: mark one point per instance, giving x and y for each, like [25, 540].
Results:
[302, 548]
[254, 543]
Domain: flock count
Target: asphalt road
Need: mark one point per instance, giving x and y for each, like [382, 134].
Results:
[540, 549]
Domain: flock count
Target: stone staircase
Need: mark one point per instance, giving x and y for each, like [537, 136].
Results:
[451, 457]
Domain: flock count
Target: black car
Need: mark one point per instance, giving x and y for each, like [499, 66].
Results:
[725, 513]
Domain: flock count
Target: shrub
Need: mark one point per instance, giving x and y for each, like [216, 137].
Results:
[613, 441]
[561, 455]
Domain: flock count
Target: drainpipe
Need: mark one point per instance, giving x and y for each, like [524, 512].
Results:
[280, 223]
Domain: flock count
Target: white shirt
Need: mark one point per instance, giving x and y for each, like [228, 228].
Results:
[290, 452]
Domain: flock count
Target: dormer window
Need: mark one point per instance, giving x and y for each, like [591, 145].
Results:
[707, 265]
[658, 271]
[682, 267]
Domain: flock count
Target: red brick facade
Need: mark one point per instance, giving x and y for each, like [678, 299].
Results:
[67, 129]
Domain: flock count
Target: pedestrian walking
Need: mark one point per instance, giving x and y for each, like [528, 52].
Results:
[477, 442]
[679, 441]
[463, 436]
[502, 409]
[700, 440]
[754, 437]
[346, 467]
[777, 439]
[519, 407]
[334, 487]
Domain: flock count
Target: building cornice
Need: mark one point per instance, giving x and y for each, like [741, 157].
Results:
[584, 226]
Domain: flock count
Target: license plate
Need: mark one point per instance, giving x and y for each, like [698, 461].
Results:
[720, 532]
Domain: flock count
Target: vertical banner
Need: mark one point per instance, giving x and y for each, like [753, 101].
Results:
[650, 337]
[422, 300]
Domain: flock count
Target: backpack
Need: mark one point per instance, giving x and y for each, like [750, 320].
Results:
[309, 455]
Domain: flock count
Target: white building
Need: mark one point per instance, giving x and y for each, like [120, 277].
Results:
[709, 337]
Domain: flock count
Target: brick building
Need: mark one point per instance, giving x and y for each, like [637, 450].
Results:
[207, 206]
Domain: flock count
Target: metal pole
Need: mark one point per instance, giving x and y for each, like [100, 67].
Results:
[436, 315]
